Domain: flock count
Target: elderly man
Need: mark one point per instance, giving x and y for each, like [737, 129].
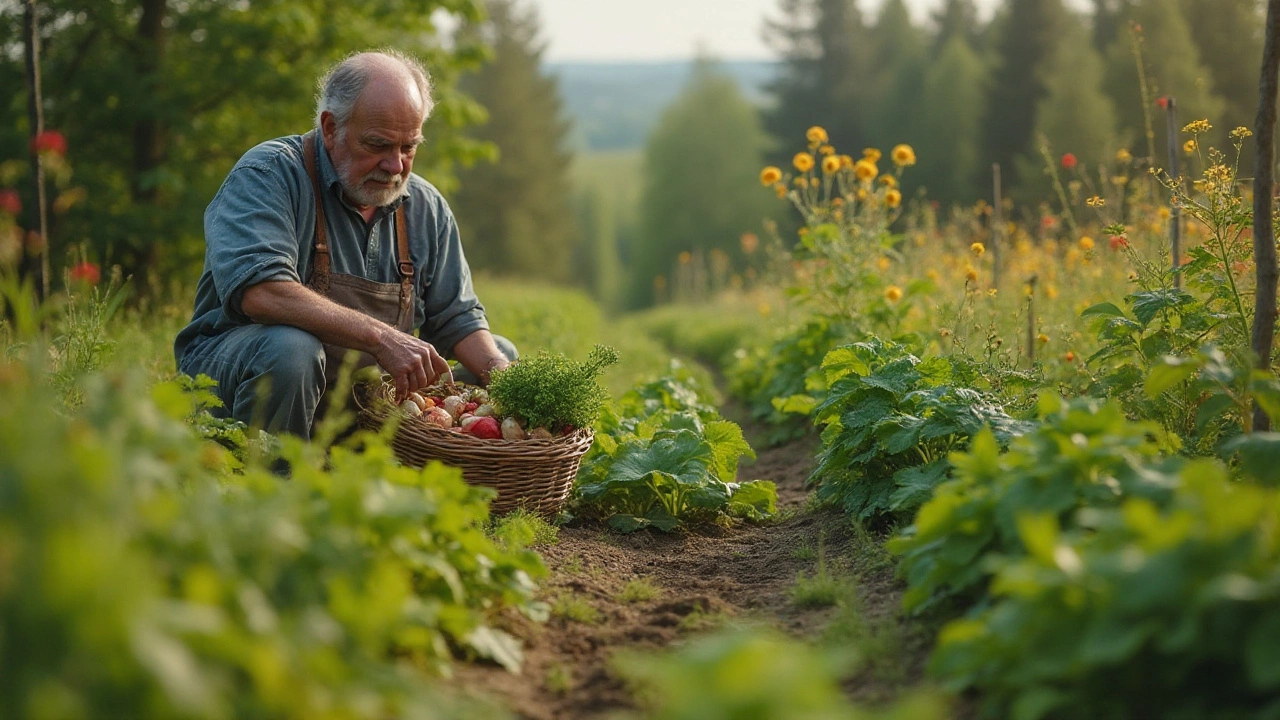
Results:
[323, 243]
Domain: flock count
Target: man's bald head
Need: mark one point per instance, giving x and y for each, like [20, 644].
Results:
[344, 83]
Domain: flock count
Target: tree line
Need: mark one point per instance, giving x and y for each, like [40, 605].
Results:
[156, 100]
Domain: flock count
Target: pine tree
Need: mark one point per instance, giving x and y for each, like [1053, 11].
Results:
[1172, 67]
[1076, 116]
[1108, 22]
[948, 135]
[956, 18]
[898, 61]
[516, 214]
[700, 190]
[824, 49]
[1228, 34]
[1027, 37]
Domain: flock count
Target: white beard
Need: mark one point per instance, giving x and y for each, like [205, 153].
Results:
[365, 196]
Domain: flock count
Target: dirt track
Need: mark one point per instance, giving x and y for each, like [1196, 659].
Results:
[703, 579]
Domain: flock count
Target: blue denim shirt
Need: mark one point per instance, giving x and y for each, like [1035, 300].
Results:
[261, 226]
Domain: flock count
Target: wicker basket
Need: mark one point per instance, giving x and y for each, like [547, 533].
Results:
[534, 474]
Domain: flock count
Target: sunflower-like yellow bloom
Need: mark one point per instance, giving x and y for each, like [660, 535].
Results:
[816, 135]
[1189, 146]
[1086, 243]
[865, 170]
[871, 155]
[1042, 338]
[903, 155]
[1123, 156]
[803, 162]
[971, 275]
[977, 249]
[889, 181]
[770, 176]
[893, 293]
[830, 164]
[827, 150]
[893, 198]
[1197, 127]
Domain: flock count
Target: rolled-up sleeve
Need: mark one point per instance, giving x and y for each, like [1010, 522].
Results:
[251, 235]
[452, 309]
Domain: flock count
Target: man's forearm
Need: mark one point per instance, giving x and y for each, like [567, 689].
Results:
[480, 354]
[289, 303]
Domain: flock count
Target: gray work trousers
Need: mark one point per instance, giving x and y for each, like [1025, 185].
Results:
[272, 376]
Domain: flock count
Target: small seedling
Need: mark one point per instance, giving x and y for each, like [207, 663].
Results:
[572, 565]
[559, 680]
[821, 589]
[639, 590]
[521, 529]
[574, 607]
[804, 552]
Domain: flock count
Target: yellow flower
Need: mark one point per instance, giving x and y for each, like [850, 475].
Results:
[1086, 243]
[865, 170]
[863, 194]
[1189, 146]
[1095, 202]
[889, 181]
[846, 161]
[770, 175]
[816, 135]
[1042, 338]
[1123, 157]
[871, 155]
[780, 190]
[1197, 127]
[1241, 133]
[903, 155]
[882, 263]
[932, 275]
[970, 274]
[1051, 292]
[827, 150]
[893, 198]
[803, 162]
[1164, 213]
[686, 257]
[977, 249]
[801, 182]
[992, 292]
[893, 293]
[830, 164]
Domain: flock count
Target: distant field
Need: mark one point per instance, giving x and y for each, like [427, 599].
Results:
[617, 174]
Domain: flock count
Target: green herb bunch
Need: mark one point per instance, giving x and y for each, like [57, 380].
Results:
[550, 390]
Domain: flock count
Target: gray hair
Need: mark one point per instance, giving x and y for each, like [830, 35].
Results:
[341, 86]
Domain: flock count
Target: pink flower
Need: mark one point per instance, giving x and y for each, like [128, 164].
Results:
[86, 272]
[50, 141]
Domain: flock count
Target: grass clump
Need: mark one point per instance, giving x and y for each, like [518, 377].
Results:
[522, 529]
[575, 608]
[639, 590]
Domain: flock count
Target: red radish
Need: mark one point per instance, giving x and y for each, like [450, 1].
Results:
[486, 428]
[438, 417]
[470, 407]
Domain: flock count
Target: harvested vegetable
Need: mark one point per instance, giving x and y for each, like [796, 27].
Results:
[552, 391]
[485, 428]
[540, 433]
[438, 417]
[511, 429]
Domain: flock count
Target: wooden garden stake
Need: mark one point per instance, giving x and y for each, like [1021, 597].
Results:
[1264, 243]
[35, 262]
[1175, 212]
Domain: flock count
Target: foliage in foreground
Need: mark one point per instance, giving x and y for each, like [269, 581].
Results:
[754, 675]
[891, 419]
[663, 458]
[1141, 609]
[1084, 454]
[140, 577]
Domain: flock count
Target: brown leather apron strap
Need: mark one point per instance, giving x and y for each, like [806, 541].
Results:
[405, 259]
[320, 260]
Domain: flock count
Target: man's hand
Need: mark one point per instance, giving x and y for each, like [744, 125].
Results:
[412, 363]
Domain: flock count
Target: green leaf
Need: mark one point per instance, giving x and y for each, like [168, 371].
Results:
[755, 500]
[1039, 534]
[1262, 653]
[497, 646]
[1106, 308]
[661, 519]
[1259, 456]
[1170, 372]
[727, 446]
[681, 454]
[627, 523]
[1146, 305]
[796, 404]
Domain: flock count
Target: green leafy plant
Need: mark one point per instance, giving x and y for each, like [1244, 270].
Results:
[1083, 454]
[549, 390]
[890, 420]
[670, 459]
[143, 575]
[1141, 609]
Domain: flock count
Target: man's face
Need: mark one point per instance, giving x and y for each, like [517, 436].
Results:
[374, 152]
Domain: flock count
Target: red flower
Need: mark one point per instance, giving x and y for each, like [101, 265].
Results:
[50, 141]
[10, 202]
[1162, 102]
[1118, 241]
[86, 272]
[1047, 222]
[1068, 161]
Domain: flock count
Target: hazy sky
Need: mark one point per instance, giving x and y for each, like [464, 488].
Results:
[669, 29]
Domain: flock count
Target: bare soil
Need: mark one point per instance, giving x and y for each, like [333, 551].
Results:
[703, 578]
